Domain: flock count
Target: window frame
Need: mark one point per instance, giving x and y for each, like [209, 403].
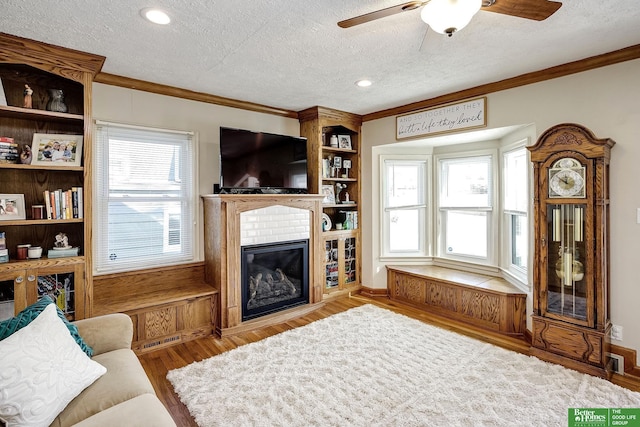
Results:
[508, 213]
[188, 172]
[425, 215]
[493, 227]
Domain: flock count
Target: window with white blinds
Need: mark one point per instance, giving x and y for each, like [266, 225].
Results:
[144, 205]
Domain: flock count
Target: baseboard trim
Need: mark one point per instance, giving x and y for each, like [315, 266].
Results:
[374, 292]
[630, 357]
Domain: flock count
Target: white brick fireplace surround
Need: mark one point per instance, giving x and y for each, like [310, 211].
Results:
[274, 224]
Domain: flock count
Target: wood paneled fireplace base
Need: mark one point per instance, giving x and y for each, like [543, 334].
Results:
[223, 247]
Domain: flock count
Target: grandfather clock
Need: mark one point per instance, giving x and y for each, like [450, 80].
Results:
[571, 324]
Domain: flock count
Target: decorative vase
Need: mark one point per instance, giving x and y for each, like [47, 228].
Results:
[56, 101]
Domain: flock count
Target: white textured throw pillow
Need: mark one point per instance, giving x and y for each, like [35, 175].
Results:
[42, 369]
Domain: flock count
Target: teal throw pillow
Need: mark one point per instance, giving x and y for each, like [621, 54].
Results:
[26, 316]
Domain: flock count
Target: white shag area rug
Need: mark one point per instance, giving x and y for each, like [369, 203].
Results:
[369, 366]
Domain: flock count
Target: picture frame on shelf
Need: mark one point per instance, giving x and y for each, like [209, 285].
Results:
[344, 141]
[346, 164]
[56, 149]
[337, 162]
[329, 195]
[3, 97]
[12, 207]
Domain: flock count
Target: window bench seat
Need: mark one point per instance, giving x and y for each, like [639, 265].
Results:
[485, 301]
[168, 305]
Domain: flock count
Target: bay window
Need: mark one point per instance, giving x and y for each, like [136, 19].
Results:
[474, 209]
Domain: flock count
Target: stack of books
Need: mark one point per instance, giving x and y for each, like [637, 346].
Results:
[8, 150]
[64, 204]
[62, 252]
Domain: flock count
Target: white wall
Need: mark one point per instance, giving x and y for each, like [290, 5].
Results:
[121, 105]
[604, 100]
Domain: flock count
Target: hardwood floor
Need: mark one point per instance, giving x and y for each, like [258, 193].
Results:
[159, 362]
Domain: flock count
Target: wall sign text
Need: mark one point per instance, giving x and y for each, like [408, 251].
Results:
[449, 118]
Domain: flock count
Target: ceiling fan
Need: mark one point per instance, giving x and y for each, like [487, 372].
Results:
[449, 16]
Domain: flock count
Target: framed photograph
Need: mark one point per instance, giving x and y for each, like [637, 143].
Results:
[337, 162]
[329, 195]
[344, 141]
[56, 149]
[3, 98]
[12, 207]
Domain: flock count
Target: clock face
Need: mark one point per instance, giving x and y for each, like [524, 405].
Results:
[566, 179]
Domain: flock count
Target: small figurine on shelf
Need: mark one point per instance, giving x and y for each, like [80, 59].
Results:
[28, 103]
[339, 187]
[62, 241]
[26, 156]
[56, 101]
[61, 248]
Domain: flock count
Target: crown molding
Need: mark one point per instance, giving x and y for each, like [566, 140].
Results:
[610, 58]
[114, 80]
[622, 55]
[68, 63]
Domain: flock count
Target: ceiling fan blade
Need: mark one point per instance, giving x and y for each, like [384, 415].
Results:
[382, 13]
[537, 10]
[424, 39]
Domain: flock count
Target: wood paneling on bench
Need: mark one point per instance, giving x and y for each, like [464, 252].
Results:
[167, 305]
[485, 301]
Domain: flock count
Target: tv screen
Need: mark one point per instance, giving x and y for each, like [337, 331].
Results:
[262, 161]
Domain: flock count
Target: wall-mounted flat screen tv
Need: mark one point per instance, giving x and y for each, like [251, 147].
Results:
[260, 162]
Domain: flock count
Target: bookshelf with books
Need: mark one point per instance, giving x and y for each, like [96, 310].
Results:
[63, 204]
[53, 197]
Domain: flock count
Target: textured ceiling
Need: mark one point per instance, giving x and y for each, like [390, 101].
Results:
[290, 54]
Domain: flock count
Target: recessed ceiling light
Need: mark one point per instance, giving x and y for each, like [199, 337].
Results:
[156, 16]
[364, 83]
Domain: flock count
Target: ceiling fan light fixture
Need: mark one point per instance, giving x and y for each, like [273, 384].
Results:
[156, 16]
[449, 16]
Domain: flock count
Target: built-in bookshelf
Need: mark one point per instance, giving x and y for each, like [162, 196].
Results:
[33, 76]
[333, 139]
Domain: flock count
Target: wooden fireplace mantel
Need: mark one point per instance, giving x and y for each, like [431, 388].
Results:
[222, 250]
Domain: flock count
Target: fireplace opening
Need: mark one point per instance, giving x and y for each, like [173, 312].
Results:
[275, 277]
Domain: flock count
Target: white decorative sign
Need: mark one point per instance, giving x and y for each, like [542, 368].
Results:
[449, 118]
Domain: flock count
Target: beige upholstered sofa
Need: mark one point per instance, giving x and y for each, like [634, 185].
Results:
[124, 395]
